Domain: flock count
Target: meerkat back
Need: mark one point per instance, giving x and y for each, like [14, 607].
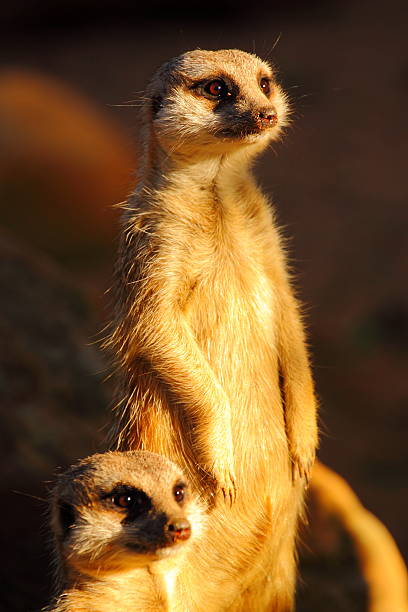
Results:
[210, 352]
[122, 524]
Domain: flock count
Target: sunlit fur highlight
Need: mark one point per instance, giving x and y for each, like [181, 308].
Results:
[96, 570]
[209, 346]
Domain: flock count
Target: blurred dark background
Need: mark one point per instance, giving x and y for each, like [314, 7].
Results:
[68, 153]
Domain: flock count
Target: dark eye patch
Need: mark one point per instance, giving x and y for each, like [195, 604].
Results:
[157, 104]
[66, 517]
[134, 502]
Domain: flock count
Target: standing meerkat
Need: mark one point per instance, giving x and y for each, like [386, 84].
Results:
[121, 524]
[210, 350]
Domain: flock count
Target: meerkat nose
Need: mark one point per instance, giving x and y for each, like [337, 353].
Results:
[267, 117]
[178, 530]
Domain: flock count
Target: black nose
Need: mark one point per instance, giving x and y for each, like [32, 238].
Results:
[267, 117]
[177, 530]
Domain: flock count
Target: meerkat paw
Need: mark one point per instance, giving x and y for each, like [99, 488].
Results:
[224, 478]
[302, 463]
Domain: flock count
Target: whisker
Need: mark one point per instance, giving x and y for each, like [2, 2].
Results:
[269, 53]
[41, 499]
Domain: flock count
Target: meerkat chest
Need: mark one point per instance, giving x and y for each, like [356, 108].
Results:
[218, 260]
[231, 289]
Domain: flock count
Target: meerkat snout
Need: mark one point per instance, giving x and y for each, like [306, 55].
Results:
[178, 530]
[267, 117]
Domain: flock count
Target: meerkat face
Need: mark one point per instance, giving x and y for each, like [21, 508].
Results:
[215, 101]
[118, 511]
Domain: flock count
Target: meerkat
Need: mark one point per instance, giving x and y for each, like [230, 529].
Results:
[121, 524]
[210, 351]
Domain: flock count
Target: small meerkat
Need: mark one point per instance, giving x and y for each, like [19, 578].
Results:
[210, 351]
[121, 523]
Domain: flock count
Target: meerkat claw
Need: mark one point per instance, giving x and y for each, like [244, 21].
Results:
[229, 494]
[226, 485]
[301, 470]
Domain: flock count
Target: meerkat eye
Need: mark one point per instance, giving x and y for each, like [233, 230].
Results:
[123, 501]
[265, 85]
[217, 89]
[178, 492]
[134, 501]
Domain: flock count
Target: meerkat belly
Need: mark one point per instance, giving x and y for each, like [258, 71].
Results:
[233, 318]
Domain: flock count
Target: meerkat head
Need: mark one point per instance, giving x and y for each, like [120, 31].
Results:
[117, 511]
[215, 101]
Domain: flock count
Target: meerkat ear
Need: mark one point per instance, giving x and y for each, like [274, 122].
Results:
[157, 104]
[66, 517]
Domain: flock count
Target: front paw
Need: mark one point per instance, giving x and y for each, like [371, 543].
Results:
[225, 481]
[302, 464]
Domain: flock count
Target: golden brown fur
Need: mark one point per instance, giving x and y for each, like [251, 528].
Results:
[211, 358]
[121, 534]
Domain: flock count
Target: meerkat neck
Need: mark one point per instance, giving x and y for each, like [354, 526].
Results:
[203, 172]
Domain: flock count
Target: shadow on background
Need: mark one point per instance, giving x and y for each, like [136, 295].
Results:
[68, 153]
